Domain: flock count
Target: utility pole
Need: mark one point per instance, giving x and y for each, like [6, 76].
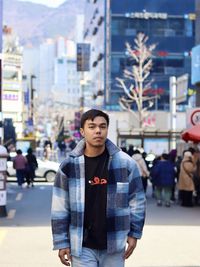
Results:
[32, 98]
[172, 83]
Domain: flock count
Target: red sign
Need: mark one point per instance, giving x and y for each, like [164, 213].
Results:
[195, 117]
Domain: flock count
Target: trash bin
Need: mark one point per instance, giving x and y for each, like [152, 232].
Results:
[3, 168]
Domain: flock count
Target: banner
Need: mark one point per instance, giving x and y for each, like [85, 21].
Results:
[196, 64]
[83, 57]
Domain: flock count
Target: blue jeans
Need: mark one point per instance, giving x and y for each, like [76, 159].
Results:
[98, 258]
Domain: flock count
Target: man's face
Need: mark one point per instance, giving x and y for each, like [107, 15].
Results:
[95, 132]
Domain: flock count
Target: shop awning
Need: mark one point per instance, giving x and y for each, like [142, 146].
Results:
[192, 134]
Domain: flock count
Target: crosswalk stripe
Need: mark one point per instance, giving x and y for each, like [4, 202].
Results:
[11, 214]
[2, 235]
[19, 196]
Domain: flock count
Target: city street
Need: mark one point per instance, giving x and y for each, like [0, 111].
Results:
[171, 235]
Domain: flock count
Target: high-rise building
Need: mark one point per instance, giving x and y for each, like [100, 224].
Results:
[46, 68]
[111, 23]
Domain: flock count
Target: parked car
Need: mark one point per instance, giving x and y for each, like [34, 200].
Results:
[46, 169]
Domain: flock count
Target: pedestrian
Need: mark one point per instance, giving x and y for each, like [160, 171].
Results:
[137, 156]
[172, 158]
[185, 183]
[31, 166]
[19, 164]
[47, 152]
[98, 202]
[130, 150]
[163, 180]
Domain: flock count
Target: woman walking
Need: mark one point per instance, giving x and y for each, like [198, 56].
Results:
[186, 183]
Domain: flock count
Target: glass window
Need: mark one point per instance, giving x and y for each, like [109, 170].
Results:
[119, 26]
[158, 66]
[188, 28]
[115, 65]
[157, 26]
[140, 25]
[175, 63]
[10, 75]
[177, 25]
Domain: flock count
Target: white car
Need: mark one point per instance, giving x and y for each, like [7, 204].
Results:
[46, 169]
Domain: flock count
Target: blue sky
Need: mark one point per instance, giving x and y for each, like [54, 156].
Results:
[50, 3]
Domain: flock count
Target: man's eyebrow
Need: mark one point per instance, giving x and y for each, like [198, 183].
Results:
[93, 123]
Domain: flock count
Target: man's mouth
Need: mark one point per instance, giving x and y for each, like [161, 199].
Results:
[98, 138]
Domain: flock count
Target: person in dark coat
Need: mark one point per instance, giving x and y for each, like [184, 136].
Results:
[130, 150]
[164, 176]
[32, 165]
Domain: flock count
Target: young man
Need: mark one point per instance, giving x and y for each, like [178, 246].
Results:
[98, 200]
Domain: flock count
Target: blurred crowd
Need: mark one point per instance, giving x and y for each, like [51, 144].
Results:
[174, 179]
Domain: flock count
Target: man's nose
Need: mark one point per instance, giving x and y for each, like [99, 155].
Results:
[98, 129]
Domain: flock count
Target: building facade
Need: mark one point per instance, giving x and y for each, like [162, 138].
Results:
[12, 93]
[168, 24]
[1, 38]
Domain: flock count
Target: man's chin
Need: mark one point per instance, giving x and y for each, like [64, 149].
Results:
[99, 144]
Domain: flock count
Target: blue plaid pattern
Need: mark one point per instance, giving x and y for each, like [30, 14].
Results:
[125, 201]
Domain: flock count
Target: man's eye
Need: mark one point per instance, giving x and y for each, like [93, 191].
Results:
[91, 127]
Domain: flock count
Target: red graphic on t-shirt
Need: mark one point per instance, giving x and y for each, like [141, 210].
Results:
[96, 180]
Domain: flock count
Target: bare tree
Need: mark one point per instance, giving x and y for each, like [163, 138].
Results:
[135, 82]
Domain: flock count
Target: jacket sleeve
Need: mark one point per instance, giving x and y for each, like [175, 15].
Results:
[60, 212]
[137, 202]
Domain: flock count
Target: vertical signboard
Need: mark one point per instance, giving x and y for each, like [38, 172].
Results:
[181, 88]
[196, 64]
[83, 57]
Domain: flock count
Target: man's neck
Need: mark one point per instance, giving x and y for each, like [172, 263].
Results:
[93, 151]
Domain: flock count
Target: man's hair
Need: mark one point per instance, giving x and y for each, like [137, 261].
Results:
[92, 114]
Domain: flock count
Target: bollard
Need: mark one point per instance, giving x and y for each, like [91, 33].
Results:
[3, 168]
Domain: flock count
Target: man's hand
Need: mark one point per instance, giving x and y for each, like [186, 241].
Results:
[65, 256]
[132, 242]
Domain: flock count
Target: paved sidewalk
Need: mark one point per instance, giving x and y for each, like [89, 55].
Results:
[171, 238]
[171, 235]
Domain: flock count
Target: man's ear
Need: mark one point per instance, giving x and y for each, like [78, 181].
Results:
[82, 131]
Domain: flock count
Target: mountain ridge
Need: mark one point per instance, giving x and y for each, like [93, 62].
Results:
[34, 23]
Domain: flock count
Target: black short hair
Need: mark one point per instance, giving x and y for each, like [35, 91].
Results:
[19, 152]
[92, 114]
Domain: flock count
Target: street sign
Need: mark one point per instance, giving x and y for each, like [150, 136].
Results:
[181, 88]
[192, 117]
[195, 117]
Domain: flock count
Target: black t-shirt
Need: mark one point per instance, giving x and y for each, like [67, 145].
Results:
[96, 175]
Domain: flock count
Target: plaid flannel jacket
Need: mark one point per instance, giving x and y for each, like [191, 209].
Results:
[125, 201]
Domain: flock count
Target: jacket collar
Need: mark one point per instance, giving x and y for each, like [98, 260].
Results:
[79, 149]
